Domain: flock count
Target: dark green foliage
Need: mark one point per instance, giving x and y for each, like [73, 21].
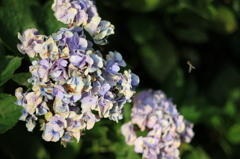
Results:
[9, 112]
[22, 79]
[156, 39]
[8, 65]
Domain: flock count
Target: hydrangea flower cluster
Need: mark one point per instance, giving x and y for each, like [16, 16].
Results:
[83, 12]
[165, 128]
[73, 85]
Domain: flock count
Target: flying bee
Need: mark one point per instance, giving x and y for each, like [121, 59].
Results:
[190, 66]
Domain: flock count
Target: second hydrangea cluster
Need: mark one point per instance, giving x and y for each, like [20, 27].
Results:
[73, 85]
[164, 127]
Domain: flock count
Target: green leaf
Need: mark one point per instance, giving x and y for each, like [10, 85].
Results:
[60, 152]
[174, 85]
[22, 79]
[127, 152]
[191, 113]
[140, 30]
[236, 5]
[174, 8]
[9, 112]
[191, 35]
[51, 25]
[224, 81]
[29, 145]
[197, 153]
[201, 8]
[142, 5]
[191, 88]
[8, 65]
[2, 50]
[159, 58]
[198, 109]
[193, 21]
[17, 20]
[230, 108]
[233, 134]
[225, 20]
[216, 121]
[127, 112]
[186, 149]
[226, 147]
[232, 103]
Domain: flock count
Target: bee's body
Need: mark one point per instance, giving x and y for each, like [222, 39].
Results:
[190, 66]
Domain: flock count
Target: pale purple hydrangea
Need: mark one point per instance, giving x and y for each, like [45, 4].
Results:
[45, 48]
[128, 131]
[74, 11]
[45, 89]
[30, 122]
[104, 29]
[77, 44]
[70, 79]
[114, 60]
[29, 38]
[153, 113]
[58, 70]
[42, 109]
[99, 30]
[74, 78]
[62, 36]
[64, 11]
[187, 134]
[54, 128]
[83, 13]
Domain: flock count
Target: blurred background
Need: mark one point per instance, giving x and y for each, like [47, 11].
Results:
[156, 39]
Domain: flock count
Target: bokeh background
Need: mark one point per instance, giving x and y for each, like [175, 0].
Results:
[156, 39]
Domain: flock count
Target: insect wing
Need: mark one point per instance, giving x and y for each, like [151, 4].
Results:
[190, 69]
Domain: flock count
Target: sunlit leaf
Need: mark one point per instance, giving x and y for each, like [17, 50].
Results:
[233, 134]
[216, 121]
[232, 102]
[225, 20]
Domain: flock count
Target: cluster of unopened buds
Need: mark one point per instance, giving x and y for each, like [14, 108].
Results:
[158, 118]
[73, 85]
